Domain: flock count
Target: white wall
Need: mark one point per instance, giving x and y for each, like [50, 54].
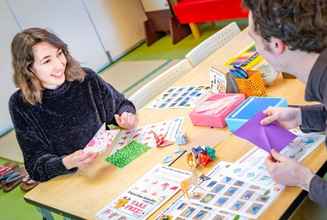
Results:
[9, 29]
[70, 21]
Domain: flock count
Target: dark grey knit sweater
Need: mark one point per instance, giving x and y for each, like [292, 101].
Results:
[314, 118]
[66, 120]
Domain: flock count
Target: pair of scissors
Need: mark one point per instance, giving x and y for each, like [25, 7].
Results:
[239, 72]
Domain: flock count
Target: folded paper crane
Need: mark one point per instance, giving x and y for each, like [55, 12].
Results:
[267, 137]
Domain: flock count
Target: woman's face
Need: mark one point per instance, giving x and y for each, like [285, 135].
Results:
[49, 65]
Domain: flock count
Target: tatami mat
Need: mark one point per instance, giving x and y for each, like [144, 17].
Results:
[9, 147]
[123, 75]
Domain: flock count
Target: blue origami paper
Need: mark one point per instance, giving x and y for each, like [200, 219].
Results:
[267, 137]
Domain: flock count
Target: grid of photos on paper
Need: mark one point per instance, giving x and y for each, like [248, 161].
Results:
[182, 210]
[235, 196]
[179, 97]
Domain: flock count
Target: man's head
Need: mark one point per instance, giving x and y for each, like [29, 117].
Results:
[281, 27]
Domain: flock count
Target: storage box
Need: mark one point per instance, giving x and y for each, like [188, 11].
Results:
[252, 86]
[212, 111]
[249, 108]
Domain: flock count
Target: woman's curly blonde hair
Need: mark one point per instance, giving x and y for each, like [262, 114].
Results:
[23, 59]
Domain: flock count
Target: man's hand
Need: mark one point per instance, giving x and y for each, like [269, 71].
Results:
[286, 117]
[288, 172]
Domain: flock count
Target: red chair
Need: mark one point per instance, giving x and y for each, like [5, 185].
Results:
[199, 11]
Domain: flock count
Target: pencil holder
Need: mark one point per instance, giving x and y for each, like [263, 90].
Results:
[254, 85]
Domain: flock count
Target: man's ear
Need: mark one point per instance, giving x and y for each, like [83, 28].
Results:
[277, 46]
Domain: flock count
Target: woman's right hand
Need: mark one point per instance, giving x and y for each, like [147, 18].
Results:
[79, 159]
[287, 117]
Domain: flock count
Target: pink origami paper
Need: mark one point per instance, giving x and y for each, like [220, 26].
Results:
[267, 137]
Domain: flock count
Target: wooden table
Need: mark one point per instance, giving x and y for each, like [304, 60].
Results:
[83, 194]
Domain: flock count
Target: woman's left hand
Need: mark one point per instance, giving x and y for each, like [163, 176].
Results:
[126, 120]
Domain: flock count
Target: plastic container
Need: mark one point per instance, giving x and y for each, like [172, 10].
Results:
[249, 108]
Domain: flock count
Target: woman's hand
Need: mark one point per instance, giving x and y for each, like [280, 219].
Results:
[126, 120]
[286, 117]
[79, 159]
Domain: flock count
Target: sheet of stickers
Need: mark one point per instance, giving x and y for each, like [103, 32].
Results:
[179, 97]
[144, 135]
[146, 195]
[221, 196]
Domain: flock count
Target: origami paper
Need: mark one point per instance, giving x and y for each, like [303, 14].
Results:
[101, 140]
[127, 154]
[267, 137]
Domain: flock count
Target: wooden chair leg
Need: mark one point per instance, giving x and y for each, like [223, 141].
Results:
[195, 30]
[178, 31]
[150, 33]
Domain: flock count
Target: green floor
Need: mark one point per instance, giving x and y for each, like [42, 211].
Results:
[164, 49]
[13, 206]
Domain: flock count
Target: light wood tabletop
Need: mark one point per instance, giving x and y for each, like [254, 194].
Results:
[86, 192]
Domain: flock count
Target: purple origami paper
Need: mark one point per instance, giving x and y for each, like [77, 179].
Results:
[267, 137]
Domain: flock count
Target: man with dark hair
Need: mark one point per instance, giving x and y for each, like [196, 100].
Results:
[292, 36]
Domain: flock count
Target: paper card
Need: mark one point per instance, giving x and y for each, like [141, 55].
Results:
[179, 97]
[267, 137]
[147, 194]
[218, 82]
[303, 145]
[145, 136]
[101, 140]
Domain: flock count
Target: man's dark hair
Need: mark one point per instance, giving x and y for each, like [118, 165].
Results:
[301, 24]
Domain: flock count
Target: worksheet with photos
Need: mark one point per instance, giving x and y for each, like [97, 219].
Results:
[220, 196]
[234, 196]
[182, 209]
[179, 97]
[146, 195]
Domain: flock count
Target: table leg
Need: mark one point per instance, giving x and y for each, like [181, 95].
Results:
[46, 214]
